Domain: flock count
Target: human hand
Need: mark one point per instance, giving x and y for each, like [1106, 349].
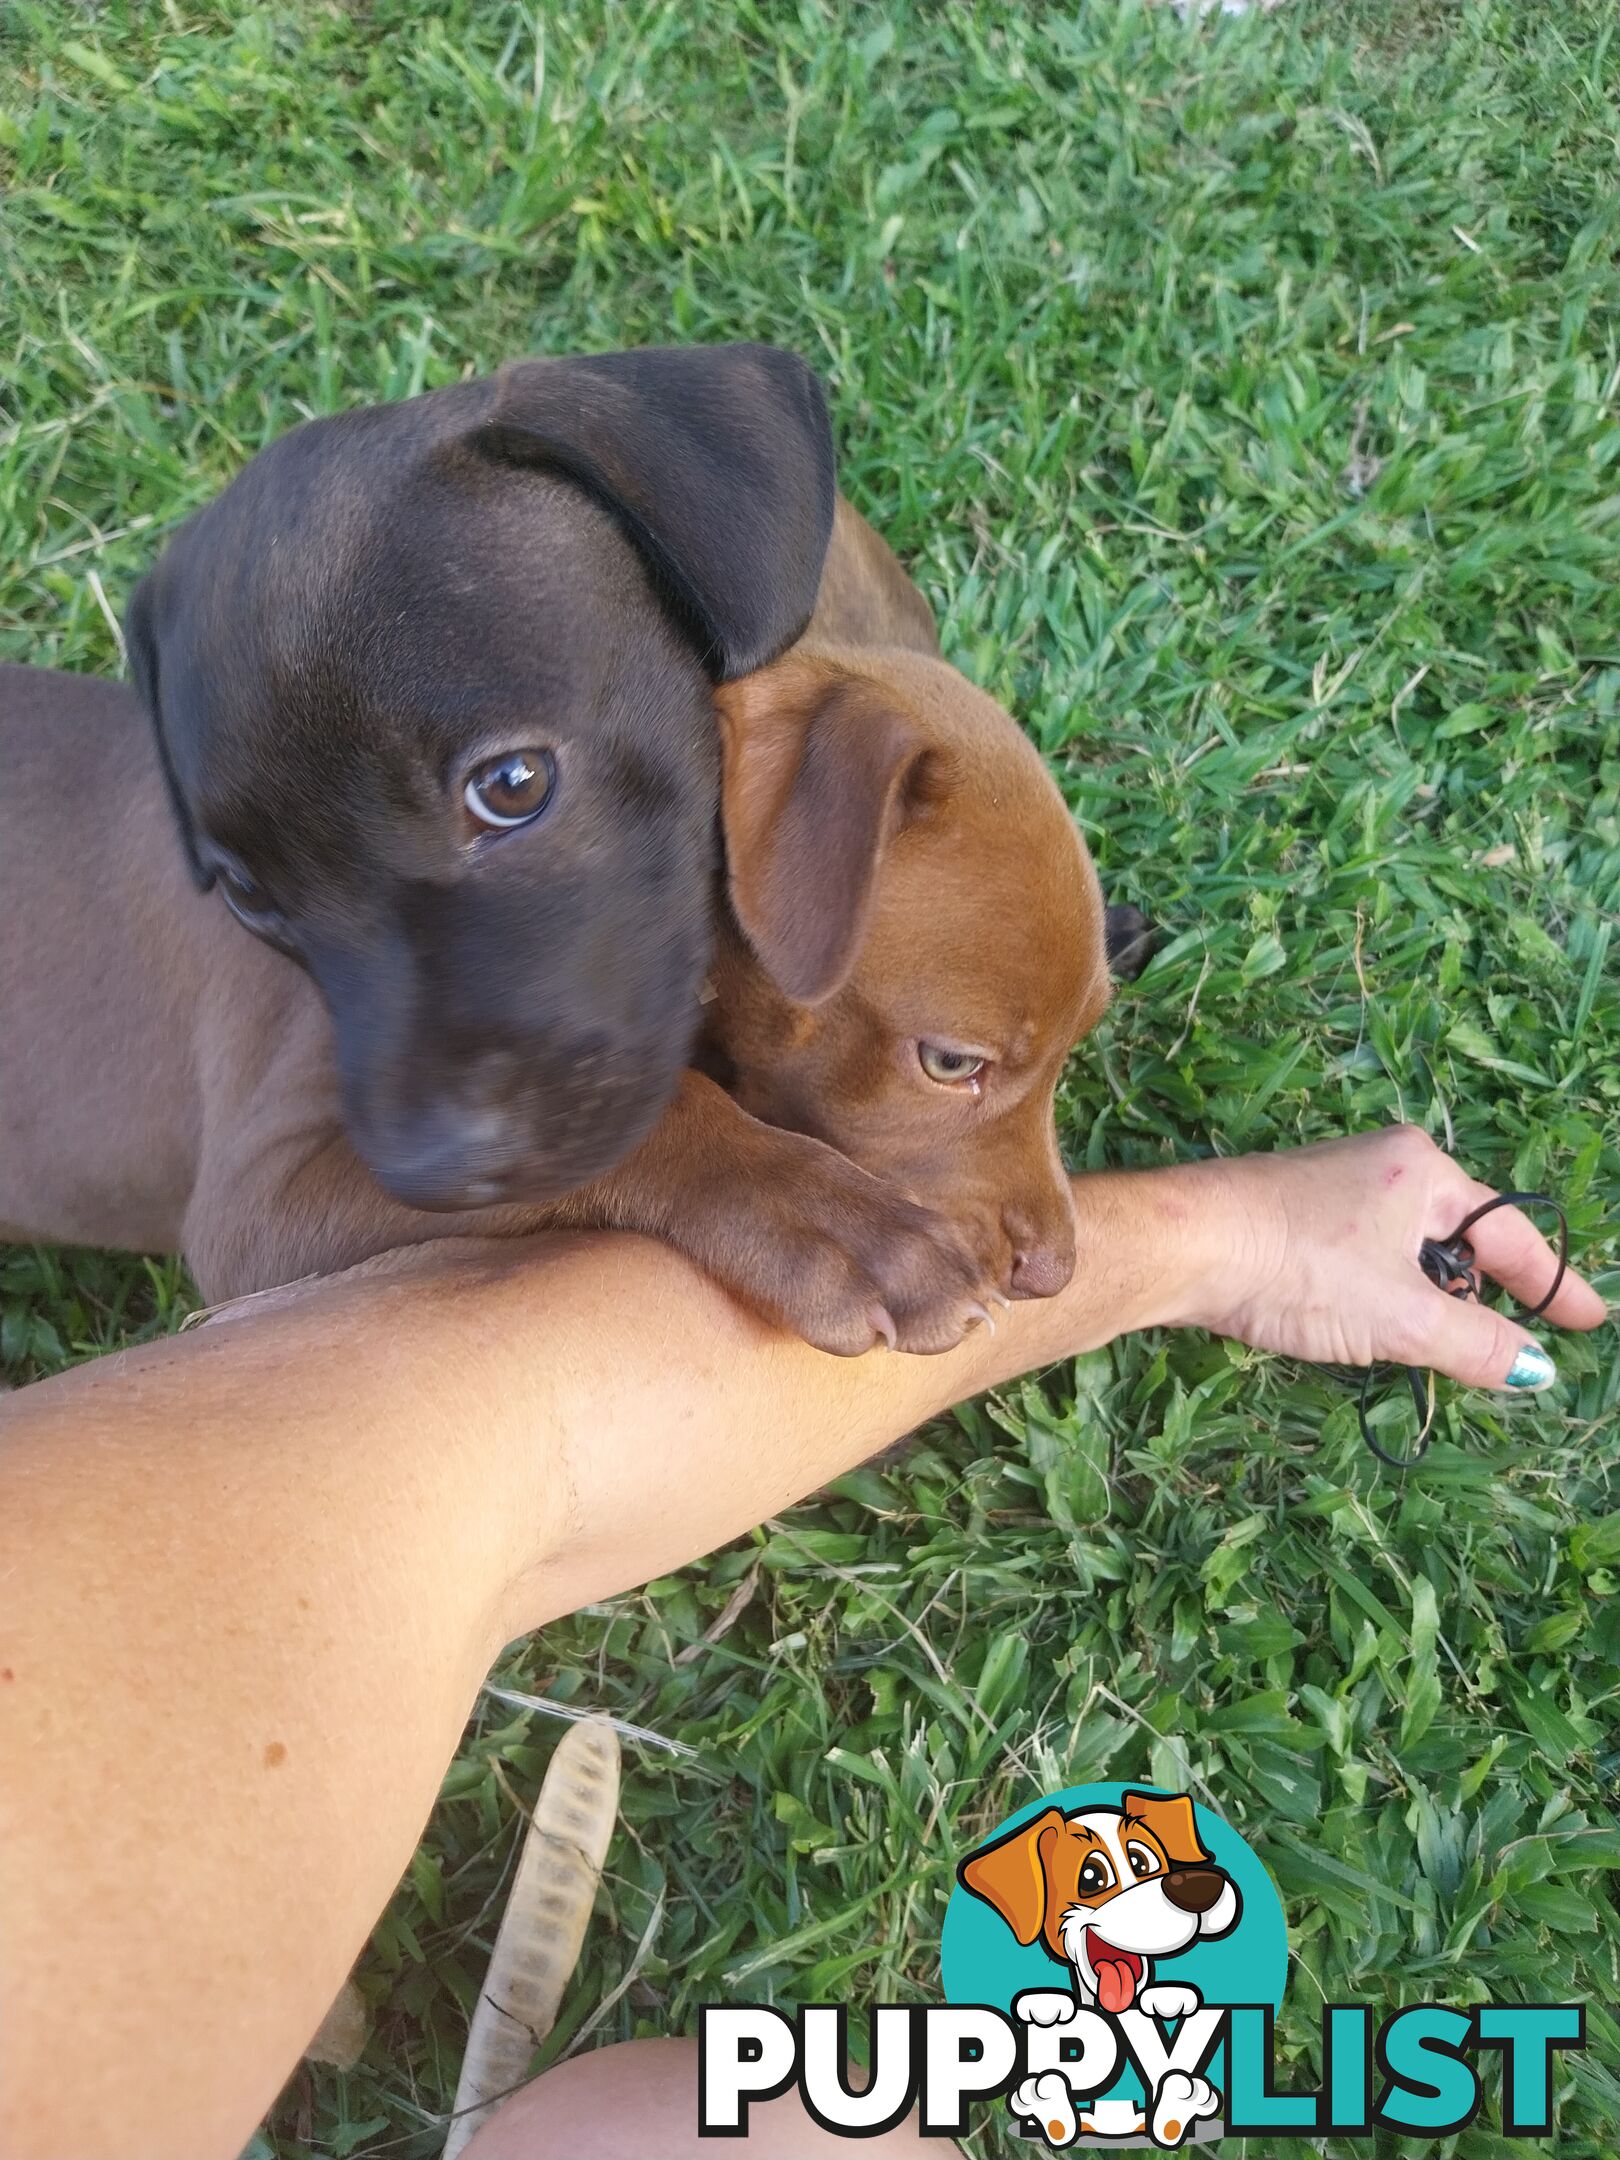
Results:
[1313, 1252]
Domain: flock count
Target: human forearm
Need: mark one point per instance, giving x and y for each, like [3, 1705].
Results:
[1311, 1252]
[287, 1547]
[720, 1422]
[245, 1603]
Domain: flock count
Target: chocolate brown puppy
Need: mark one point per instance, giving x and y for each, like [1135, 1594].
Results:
[914, 940]
[431, 686]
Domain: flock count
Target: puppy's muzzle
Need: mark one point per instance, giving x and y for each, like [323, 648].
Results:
[512, 1132]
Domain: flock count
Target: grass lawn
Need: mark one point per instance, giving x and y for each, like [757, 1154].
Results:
[1244, 398]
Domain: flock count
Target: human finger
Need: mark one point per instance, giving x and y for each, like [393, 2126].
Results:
[1513, 1252]
[1480, 1347]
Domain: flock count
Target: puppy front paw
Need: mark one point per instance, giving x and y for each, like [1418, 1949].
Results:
[1181, 2103]
[1169, 1999]
[1046, 2100]
[1043, 2006]
[844, 1260]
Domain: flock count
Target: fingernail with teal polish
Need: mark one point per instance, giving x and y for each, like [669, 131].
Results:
[1532, 1368]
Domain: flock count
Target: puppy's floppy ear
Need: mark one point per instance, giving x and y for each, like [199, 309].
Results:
[1011, 1874]
[140, 642]
[817, 767]
[718, 462]
[1171, 1820]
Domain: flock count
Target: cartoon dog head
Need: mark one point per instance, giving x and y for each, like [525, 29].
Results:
[1107, 1890]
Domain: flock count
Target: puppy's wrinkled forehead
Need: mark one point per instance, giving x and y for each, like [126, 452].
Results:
[1021, 943]
[590, 538]
[364, 619]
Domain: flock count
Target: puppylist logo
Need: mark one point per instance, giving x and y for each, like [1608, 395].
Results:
[1113, 1960]
[1122, 1897]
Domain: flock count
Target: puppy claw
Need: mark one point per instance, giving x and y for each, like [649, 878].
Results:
[1002, 1299]
[976, 1311]
[883, 1326]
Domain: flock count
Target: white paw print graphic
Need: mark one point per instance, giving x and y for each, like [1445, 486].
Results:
[1045, 2100]
[1179, 2106]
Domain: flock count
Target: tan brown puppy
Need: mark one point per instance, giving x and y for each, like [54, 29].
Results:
[918, 941]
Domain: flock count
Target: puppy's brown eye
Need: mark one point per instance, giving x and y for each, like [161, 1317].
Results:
[949, 1067]
[1143, 1862]
[1096, 1875]
[511, 789]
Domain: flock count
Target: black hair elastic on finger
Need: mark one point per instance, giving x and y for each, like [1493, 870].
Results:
[1451, 1265]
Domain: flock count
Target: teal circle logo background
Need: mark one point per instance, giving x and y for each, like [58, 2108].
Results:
[982, 1961]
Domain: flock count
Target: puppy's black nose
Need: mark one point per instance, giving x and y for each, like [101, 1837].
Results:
[1194, 1890]
[447, 1171]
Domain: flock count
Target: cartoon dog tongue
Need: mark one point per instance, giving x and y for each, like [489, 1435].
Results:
[1116, 1976]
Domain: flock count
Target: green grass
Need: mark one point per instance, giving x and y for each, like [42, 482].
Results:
[1244, 398]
